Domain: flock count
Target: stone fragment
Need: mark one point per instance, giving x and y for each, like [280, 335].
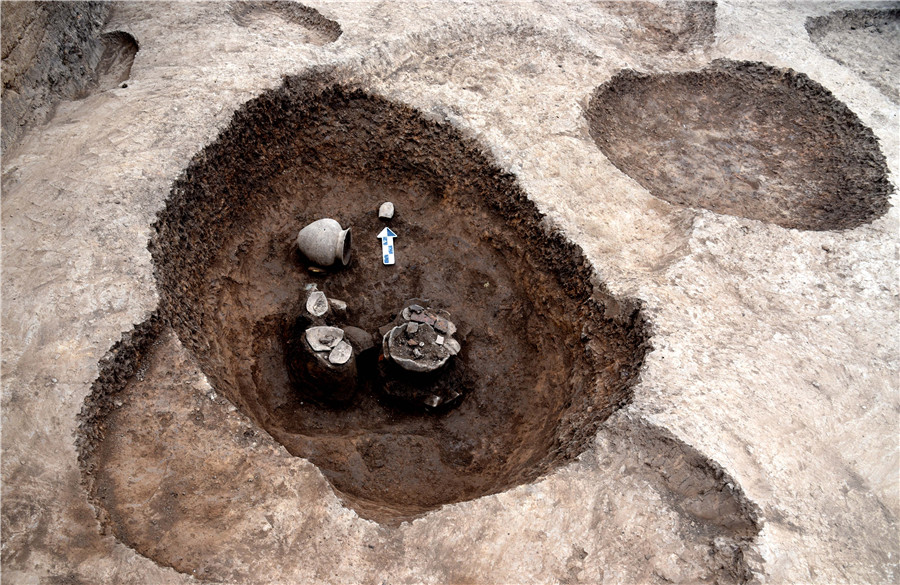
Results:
[340, 354]
[439, 340]
[323, 338]
[360, 339]
[337, 305]
[386, 211]
[412, 342]
[432, 401]
[317, 303]
[452, 346]
[416, 308]
[417, 353]
[441, 325]
[412, 328]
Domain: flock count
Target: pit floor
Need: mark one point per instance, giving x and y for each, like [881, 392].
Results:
[775, 350]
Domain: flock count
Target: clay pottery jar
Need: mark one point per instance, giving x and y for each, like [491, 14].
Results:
[325, 242]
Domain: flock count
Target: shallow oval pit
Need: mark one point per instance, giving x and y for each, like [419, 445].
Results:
[545, 355]
[743, 139]
[866, 40]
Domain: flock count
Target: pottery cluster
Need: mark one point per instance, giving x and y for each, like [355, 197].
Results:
[326, 359]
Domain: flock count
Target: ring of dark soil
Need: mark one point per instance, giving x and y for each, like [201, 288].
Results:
[675, 26]
[547, 355]
[325, 30]
[743, 139]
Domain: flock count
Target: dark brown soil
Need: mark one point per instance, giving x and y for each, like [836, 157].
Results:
[743, 139]
[545, 357]
[321, 30]
[865, 40]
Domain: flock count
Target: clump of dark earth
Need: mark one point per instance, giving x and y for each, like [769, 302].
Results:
[547, 354]
[865, 40]
[253, 13]
[743, 139]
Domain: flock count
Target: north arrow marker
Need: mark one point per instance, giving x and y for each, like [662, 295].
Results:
[387, 245]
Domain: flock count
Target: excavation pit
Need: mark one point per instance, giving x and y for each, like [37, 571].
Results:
[865, 40]
[743, 139]
[547, 355]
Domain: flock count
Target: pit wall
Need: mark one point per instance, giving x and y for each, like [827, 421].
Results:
[225, 185]
[50, 51]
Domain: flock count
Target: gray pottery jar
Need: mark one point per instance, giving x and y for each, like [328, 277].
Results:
[325, 242]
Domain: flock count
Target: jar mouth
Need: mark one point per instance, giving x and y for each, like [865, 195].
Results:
[345, 244]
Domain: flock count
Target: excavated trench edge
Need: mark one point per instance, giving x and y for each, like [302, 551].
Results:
[185, 216]
[291, 12]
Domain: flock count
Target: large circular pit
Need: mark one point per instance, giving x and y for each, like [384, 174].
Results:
[545, 355]
[744, 139]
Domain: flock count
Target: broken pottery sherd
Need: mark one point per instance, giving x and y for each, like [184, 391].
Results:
[317, 303]
[340, 354]
[324, 338]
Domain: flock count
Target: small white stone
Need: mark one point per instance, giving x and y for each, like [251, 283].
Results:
[386, 211]
[340, 354]
[317, 303]
[439, 340]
